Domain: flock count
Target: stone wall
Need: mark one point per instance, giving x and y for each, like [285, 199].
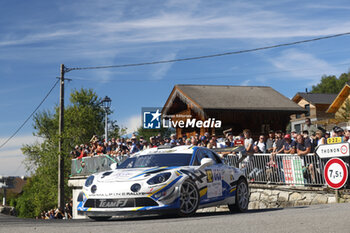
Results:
[272, 196]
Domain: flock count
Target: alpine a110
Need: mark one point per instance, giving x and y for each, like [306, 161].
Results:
[176, 180]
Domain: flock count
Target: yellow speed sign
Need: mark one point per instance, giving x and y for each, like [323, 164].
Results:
[334, 140]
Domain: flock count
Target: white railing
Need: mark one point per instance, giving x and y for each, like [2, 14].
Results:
[288, 169]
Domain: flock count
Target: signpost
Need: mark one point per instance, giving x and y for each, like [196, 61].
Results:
[336, 173]
[333, 150]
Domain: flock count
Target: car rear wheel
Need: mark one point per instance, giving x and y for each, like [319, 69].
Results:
[189, 199]
[242, 197]
[100, 218]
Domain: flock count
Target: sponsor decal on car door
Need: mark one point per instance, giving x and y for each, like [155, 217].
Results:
[214, 182]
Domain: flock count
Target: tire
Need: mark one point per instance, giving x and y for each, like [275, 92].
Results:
[104, 218]
[242, 197]
[189, 199]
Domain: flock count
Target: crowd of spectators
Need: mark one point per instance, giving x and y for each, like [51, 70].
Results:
[58, 213]
[276, 142]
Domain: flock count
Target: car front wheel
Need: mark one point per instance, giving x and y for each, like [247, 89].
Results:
[189, 199]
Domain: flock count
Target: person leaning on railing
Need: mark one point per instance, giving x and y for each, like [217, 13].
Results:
[289, 145]
[260, 145]
[303, 148]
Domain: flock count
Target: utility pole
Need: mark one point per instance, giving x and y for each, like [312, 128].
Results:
[60, 143]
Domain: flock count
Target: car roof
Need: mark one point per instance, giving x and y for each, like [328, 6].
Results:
[167, 150]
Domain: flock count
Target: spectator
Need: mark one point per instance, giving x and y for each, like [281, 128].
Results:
[68, 210]
[83, 151]
[229, 136]
[203, 142]
[270, 141]
[308, 138]
[309, 127]
[260, 145]
[194, 141]
[289, 145]
[327, 135]
[134, 147]
[303, 145]
[339, 132]
[212, 143]
[278, 145]
[152, 142]
[294, 135]
[347, 136]
[248, 142]
[228, 143]
[304, 148]
[319, 138]
[180, 141]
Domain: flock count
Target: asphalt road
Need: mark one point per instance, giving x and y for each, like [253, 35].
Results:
[320, 218]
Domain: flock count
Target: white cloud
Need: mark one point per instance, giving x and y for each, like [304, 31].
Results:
[237, 20]
[327, 7]
[12, 166]
[131, 123]
[245, 82]
[303, 66]
[11, 155]
[38, 37]
[162, 69]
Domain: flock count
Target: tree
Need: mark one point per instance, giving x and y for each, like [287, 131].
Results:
[84, 117]
[331, 84]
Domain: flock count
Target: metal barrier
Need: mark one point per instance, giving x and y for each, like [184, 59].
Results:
[90, 165]
[287, 169]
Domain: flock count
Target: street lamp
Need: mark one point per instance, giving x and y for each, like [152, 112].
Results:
[106, 104]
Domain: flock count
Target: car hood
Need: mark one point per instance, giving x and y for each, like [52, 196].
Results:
[133, 174]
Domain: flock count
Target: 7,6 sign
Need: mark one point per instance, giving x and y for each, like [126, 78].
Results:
[336, 173]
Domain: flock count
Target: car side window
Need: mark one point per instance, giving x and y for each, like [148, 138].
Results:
[213, 156]
[199, 156]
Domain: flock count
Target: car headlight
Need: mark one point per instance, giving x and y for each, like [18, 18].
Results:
[160, 178]
[89, 181]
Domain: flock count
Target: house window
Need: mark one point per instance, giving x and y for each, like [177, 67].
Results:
[307, 107]
[297, 115]
[297, 128]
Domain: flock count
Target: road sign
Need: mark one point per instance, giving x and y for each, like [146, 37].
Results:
[334, 140]
[336, 173]
[333, 150]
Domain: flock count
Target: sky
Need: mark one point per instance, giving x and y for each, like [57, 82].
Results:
[37, 36]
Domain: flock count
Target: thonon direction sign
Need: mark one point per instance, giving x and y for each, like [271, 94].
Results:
[333, 150]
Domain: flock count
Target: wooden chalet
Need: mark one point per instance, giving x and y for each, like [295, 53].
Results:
[338, 108]
[315, 105]
[258, 108]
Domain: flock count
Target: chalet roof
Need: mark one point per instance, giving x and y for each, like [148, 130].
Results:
[315, 98]
[234, 98]
[339, 100]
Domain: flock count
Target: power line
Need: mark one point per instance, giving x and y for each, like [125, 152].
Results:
[209, 56]
[47, 95]
[203, 78]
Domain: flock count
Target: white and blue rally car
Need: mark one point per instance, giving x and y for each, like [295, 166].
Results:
[161, 180]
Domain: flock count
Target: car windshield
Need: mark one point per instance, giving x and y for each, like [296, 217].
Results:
[157, 160]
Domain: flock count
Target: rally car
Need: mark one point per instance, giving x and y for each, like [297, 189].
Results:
[164, 180]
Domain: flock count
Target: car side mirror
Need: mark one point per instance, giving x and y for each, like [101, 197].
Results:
[113, 166]
[206, 162]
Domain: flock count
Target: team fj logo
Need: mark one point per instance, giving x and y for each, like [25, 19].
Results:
[151, 118]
